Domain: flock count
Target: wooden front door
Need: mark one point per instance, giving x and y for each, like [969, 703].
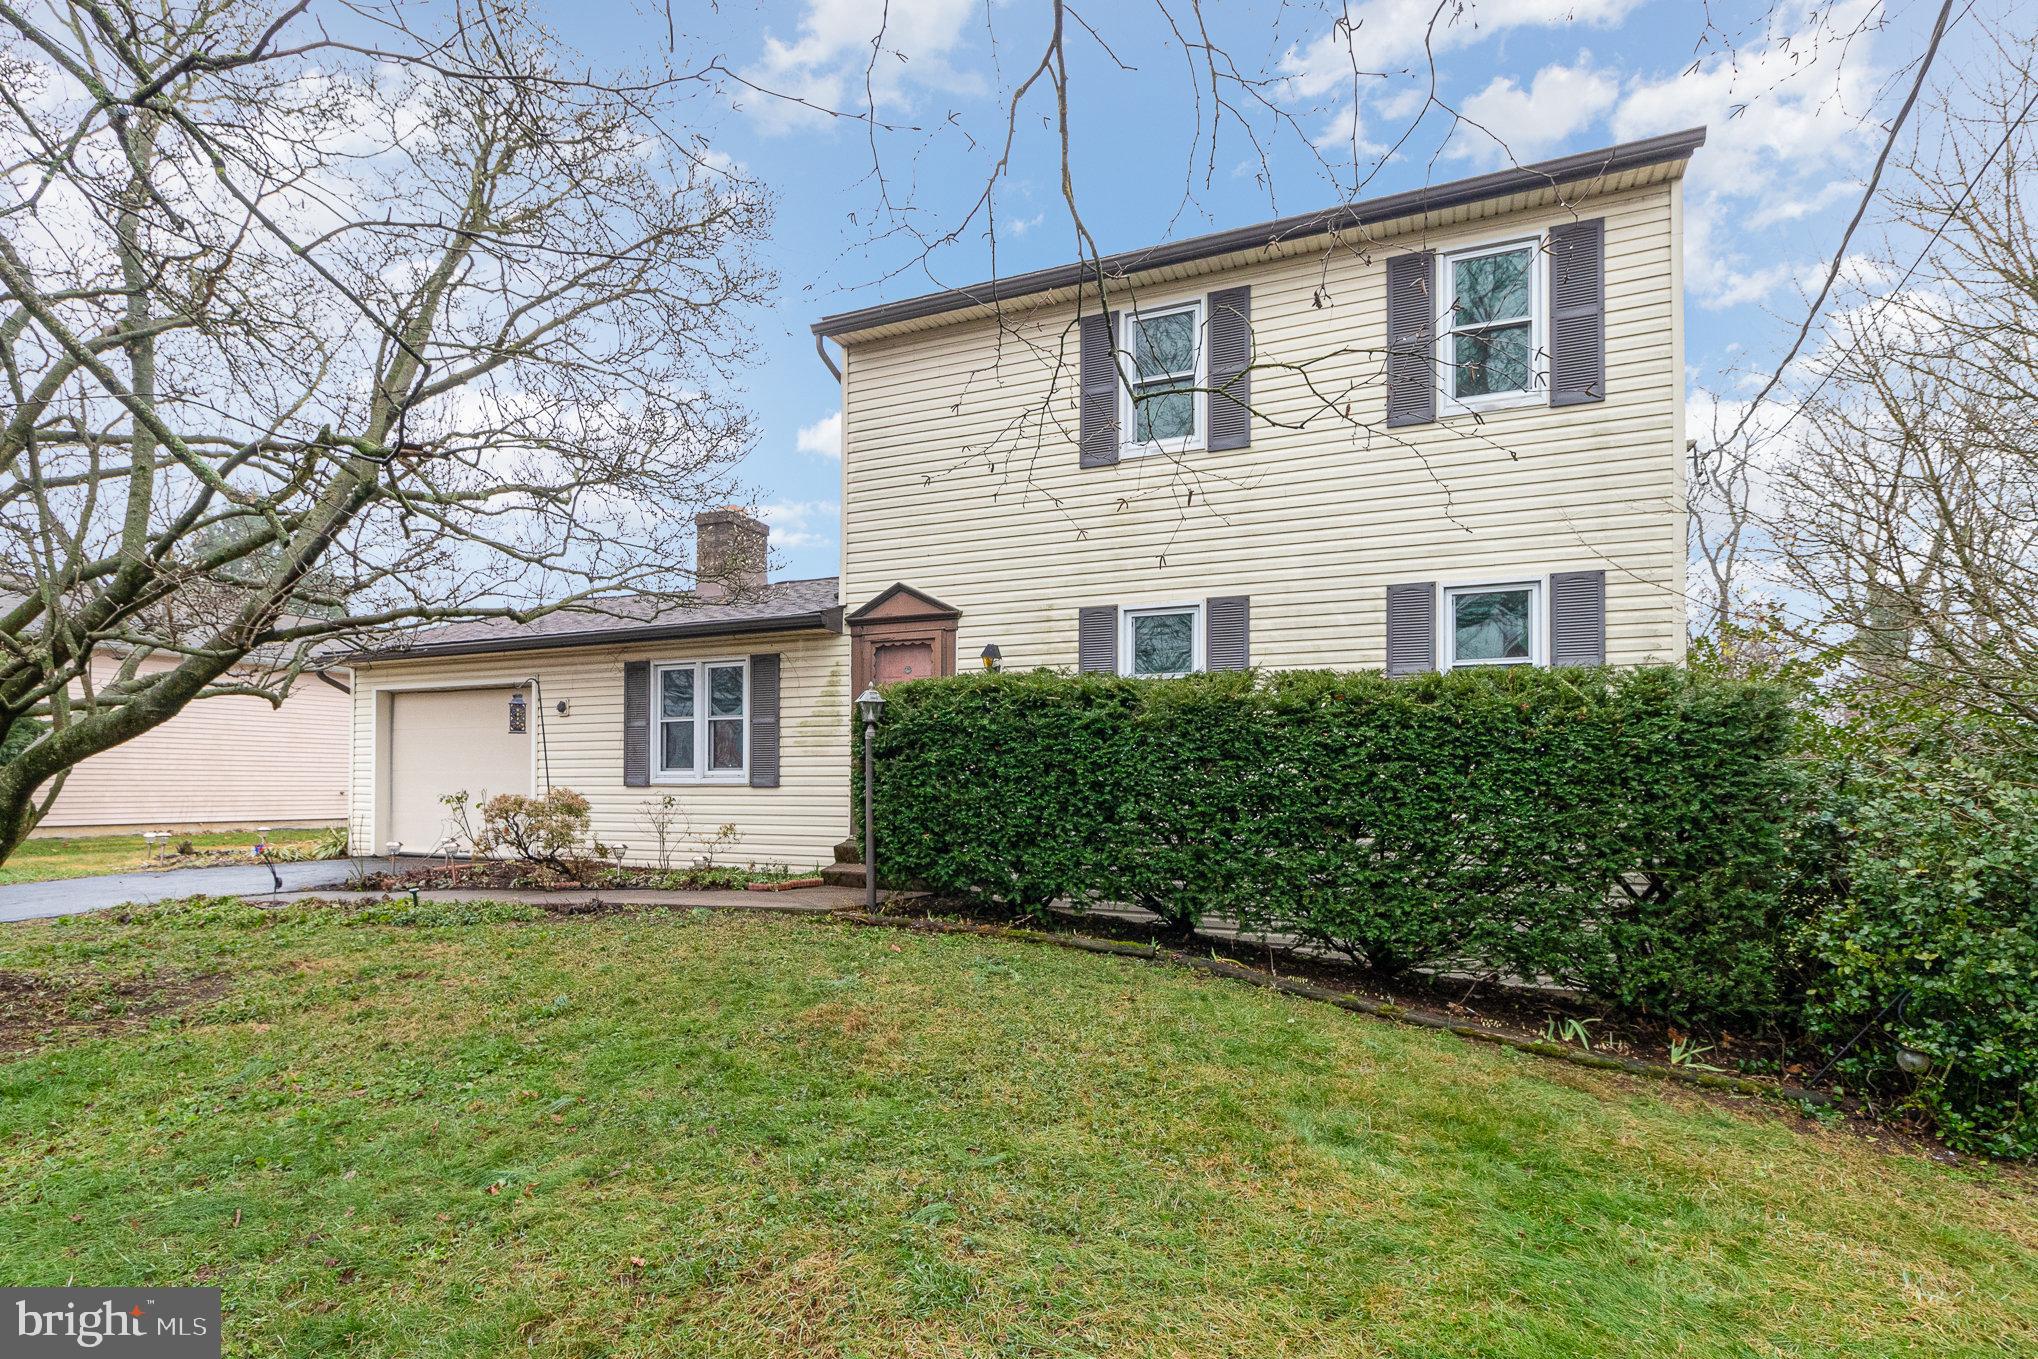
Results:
[894, 661]
[901, 635]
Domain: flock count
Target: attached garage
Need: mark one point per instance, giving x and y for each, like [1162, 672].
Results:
[448, 741]
[715, 726]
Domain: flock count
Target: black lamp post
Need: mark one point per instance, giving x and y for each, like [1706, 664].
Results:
[872, 704]
[993, 657]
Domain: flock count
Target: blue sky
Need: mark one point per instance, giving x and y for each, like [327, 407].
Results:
[1792, 94]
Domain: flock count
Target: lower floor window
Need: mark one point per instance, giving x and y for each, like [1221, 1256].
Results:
[1162, 642]
[1491, 624]
[702, 709]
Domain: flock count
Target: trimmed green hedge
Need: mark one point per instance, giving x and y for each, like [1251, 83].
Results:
[1620, 831]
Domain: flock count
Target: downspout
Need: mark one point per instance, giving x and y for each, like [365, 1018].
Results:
[544, 741]
[821, 348]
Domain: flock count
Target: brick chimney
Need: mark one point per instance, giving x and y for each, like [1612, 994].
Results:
[730, 550]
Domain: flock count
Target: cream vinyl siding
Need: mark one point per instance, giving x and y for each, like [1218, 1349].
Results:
[796, 824]
[961, 479]
[226, 761]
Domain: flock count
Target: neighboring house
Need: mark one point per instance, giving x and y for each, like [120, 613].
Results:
[1437, 429]
[222, 762]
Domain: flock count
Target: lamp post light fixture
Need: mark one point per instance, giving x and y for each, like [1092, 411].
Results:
[993, 657]
[1909, 1060]
[872, 704]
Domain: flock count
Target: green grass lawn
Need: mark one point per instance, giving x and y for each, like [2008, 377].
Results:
[81, 856]
[734, 1136]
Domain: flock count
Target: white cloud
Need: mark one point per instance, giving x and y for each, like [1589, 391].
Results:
[1391, 36]
[823, 438]
[802, 523]
[1505, 122]
[1782, 114]
[1386, 33]
[1344, 129]
[1716, 275]
[828, 63]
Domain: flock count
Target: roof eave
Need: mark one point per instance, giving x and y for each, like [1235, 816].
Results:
[818, 620]
[1573, 169]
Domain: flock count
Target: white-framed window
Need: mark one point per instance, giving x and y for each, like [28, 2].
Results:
[1493, 624]
[1160, 641]
[1490, 310]
[1161, 410]
[700, 721]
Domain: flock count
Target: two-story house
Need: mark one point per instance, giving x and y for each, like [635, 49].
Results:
[1436, 429]
[1439, 428]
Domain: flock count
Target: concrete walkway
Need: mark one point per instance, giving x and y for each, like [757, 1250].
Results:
[70, 896]
[797, 901]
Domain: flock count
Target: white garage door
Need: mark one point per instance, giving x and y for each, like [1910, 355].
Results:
[448, 741]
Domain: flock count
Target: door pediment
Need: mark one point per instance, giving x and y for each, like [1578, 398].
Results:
[901, 603]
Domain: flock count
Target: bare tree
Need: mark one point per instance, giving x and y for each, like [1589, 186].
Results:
[1908, 497]
[308, 334]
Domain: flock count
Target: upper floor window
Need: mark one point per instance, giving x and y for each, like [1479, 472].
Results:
[702, 709]
[1161, 642]
[1165, 411]
[1490, 325]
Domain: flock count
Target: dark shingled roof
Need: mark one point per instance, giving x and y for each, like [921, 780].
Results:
[1575, 169]
[784, 606]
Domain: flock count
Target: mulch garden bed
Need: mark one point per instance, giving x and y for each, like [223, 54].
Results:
[512, 875]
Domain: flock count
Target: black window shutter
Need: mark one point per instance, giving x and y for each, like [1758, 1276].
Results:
[1578, 312]
[1411, 628]
[1227, 628]
[1231, 391]
[764, 723]
[1097, 373]
[636, 724]
[1578, 618]
[1097, 639]
[1411, 339]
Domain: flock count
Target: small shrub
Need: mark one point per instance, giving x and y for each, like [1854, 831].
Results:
[545, 830]
[20, 735]
[1940, 906]
[331, 843]
[666, 818]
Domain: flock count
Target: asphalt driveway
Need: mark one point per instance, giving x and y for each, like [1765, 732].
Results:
[70, 896]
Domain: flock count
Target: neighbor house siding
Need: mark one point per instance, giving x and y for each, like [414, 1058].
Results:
[796, 824]
[226, 761]
[961, 474]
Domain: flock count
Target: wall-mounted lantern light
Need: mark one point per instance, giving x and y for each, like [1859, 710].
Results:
[992, 656]
[519, 714]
